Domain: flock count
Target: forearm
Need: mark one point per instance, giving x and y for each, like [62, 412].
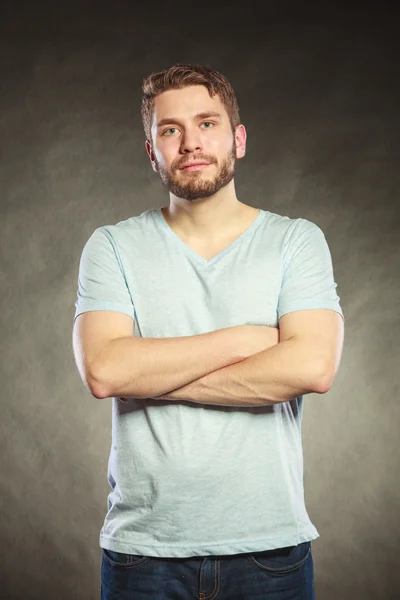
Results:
[278, 374]
[145, 367]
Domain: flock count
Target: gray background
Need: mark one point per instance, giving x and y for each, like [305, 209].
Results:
[319, 96]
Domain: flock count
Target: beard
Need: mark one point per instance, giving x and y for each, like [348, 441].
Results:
[196, 185]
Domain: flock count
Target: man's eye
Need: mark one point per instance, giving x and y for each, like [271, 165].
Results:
[204, 123]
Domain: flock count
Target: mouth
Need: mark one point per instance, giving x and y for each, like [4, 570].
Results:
[194, 166]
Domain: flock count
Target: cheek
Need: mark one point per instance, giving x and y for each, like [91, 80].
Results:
[165, 156]
[216, 146]
[214, 141]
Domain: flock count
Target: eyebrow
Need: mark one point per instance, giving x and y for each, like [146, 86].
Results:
[202, 115]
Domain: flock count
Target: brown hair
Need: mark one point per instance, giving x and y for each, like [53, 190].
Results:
[180, 76]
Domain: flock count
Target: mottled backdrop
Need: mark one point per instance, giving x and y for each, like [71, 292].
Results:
[318, 88]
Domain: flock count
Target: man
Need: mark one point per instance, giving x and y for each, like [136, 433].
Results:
[206, 321]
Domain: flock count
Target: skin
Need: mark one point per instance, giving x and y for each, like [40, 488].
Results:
[203, 204]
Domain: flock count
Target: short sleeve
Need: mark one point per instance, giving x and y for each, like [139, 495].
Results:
[308, 280]
[101, 280]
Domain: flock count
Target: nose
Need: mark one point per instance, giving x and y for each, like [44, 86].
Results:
[191, 141]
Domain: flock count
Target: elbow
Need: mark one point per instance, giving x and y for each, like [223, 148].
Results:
[98, 392]
[321, 388]
[97, 386]
[325, 382]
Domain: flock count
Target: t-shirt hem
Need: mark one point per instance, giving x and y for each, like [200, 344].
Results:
[307, 305]
[111, 306]
[205, 549]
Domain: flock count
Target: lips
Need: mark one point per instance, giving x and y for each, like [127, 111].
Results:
[193, 164]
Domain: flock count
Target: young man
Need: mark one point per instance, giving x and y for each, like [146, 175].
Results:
[206, 321]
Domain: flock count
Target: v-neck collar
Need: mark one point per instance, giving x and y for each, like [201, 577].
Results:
[197, 257]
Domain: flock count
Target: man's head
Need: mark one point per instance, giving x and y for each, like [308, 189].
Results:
[190, 114]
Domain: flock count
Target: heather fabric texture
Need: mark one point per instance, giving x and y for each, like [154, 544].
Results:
[192, 479]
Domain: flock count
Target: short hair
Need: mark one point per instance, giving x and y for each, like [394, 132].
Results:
[180, 76]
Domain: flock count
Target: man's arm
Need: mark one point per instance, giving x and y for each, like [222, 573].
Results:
[305, 360]
[278, 374]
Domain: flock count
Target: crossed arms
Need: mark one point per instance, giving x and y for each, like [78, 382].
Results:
[305, 360]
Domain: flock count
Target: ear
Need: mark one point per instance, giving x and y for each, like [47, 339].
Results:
[240, 139]
[150, 152]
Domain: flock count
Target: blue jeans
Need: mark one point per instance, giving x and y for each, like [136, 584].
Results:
[281, 574]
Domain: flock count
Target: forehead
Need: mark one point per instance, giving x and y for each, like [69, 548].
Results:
[186, 103]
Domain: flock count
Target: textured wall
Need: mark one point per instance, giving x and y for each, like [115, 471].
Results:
[319, 96]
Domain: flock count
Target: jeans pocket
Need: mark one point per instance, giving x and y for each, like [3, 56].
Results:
[282, 560]
[120, 559]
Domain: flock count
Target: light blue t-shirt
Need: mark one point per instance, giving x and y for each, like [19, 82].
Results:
[191, 479]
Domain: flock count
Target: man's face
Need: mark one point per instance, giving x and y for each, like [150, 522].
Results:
[180, 137]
